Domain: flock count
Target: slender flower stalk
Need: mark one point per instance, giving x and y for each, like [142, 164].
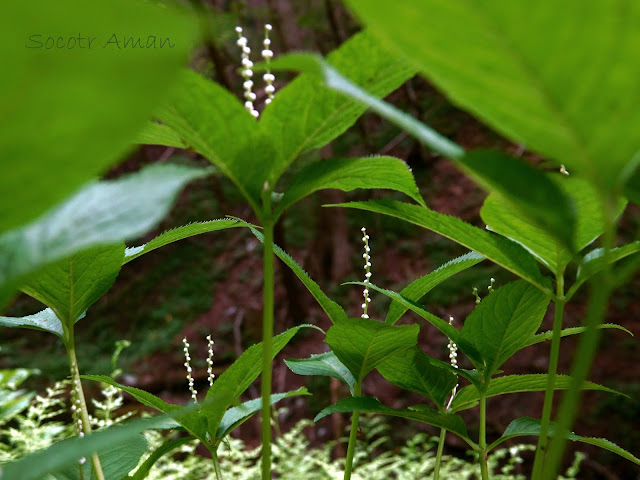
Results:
[367, 268]
[210, 374]
[267, 54]
[357, 389]
[187, 365]
[475, 294]
[247, 73]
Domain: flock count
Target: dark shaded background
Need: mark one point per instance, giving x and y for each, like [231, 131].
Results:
[211, 284]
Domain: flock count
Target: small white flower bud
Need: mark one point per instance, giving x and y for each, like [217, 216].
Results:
[242, 42]
[266, 43]
[247, 63]
[268, 77]
[248, 84]
[270, 89]
[267, 53]
[268, 27]
[255, 113]
[267, 101]
[239, 29]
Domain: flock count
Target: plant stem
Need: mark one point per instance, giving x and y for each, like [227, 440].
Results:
[482, 441]
[436, 469]
[267, 335]
[601, 288]
[541, 449]
[353, 435]
[84, 413]
[216, 463]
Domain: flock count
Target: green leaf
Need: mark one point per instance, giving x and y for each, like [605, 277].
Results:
[530, 427]
[418, 372]
[325, 364]
[420, 287]
[236, 416]
[347, 174]
[632, 187]
[452, 423]
[192, 421]
[331, 78]
[327, 114]
[334, 311]
[451, 332]
[12, 378]
[155, 133]
[102, 213]
[12, 403]
[143, 470]
[594, 262]
[361, 344]
[248, 366]
[214, 123]
[497, 249]
[117, 461]
[38, 464]
[71, 286]
[45, 321]
[523, 84]
[181, 233]
[92, 100]
[527, 189]
[546, 336]
[501, 218]
[503, 322]
[469, 396]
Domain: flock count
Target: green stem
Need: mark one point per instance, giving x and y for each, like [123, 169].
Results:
[353, 435]
[482, 441]
[84, 413]
[601, 288]
[267, 343]
[436, 469]
[543, 439]
[216, 463]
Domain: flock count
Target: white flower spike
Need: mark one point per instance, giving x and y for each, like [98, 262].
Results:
[247, 73]
[367, 275]
[453, 358]
[267, 54]
[187, 364]
[210, 374]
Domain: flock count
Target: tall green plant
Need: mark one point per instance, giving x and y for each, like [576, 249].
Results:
[526, 89]
[303, 116]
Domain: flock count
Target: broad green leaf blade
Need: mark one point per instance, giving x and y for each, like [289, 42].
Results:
[499, 250]
[524, 84]
[192, 421]
[238, 415]
[527, 189]
[501, 218]
[71, 286]
[503, 323]
[325, 364]
[632, 188]
[181, 233]
[416, 371]
[46, 321]
[248, 366]
[420, 287]
[102, 213]
[448, 330]
[361, 344]
[546, 336]
[347, 174]
[530, 427]
[143, 470]
[91, 98]
[296, 127]
[469, 396]
[594, 261]
[38, 464]
[214, 123]
[155, 133]
[316, 65]
[117, 461]
[334, 311]
[452, 423]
